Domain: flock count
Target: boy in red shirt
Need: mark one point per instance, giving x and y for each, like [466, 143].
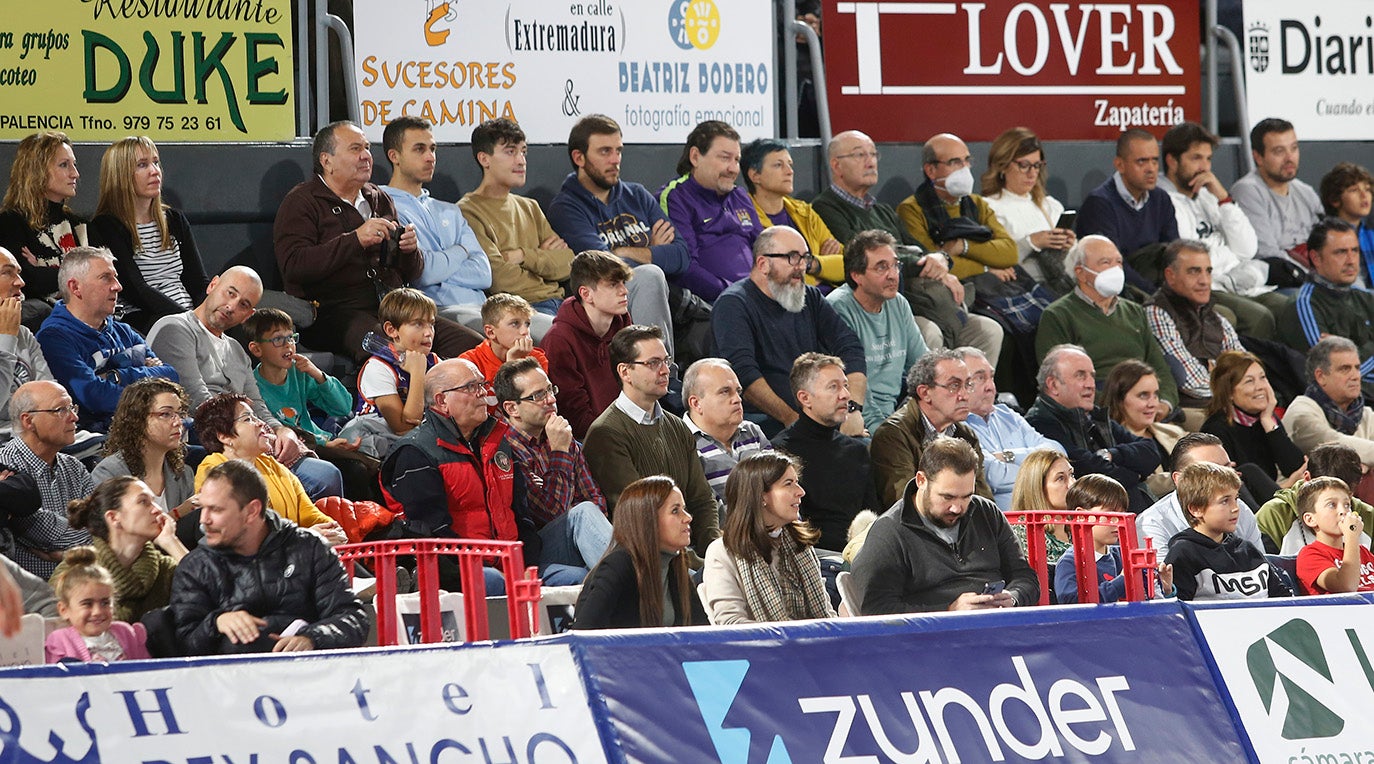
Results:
[1336, 561]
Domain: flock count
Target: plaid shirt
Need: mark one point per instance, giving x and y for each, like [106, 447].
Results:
[1196, 379]
[46, 529]
[555, 480]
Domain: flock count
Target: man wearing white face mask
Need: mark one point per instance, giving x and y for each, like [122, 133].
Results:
[1094, 316]
[945, 214]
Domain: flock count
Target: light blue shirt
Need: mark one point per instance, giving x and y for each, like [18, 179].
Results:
[1005, 430]
[456, 268]
[891, 342]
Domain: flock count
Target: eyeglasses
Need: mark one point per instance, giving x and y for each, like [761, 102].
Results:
[863, 155]
[253, 418]
[793, 258]
[954, 386]
[955, 163]
[884, 267]
[169, 415]
[654, 364]
[281, 341]
[72, 410]
[474, 388]
[539, 396]
[1025, 166]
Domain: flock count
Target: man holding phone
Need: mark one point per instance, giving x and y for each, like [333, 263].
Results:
[941, 547]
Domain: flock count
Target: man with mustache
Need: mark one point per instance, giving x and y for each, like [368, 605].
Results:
[1282, 208]
[764, 322]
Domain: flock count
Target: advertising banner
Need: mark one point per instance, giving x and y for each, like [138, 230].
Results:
[99, 70]
[1311, 63]
[903, 71]
[1300, 677]
[1080, 686]
[518, 703]
[658, 67]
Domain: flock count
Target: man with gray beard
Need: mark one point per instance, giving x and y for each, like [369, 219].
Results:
[764, 322]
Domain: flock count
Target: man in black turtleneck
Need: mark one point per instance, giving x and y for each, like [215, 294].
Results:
[836, 471]
[1183, 318]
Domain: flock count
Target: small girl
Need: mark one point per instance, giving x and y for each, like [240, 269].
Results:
[85, 599]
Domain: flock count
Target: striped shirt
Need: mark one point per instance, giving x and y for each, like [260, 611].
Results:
[717, 460]
[161, 268]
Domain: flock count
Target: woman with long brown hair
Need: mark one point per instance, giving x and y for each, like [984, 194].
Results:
[36, 225]
[1242, 413]
[155, 254]
[642, 581]
[1014, 187]
[764, 567]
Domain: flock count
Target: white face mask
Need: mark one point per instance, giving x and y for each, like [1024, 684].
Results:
[1109, 282]
[960, 182]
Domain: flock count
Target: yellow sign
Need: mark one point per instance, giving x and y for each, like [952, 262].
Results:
[174, 70]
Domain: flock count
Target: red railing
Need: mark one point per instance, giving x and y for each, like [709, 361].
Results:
[522, 584]
[1137, 563]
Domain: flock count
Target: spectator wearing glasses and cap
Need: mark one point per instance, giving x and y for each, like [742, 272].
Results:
[454, 475]
[764, 322]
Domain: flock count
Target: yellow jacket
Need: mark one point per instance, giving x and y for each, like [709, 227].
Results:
[285, 494]
[814, 230]
[997, 252]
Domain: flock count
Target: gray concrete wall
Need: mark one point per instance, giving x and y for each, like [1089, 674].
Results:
[231, 192]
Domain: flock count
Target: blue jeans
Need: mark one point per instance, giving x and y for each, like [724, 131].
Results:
[578, 537]
[548, 307]
[552, 574]
[319, 477]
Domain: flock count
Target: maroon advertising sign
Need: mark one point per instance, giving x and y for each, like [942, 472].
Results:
[903, 71]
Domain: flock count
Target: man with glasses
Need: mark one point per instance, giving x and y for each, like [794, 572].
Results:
[938, 390]
[762, 323]
[872, 304]
[564, 502]
[21, 358]
[91, 353]
[45, 418]
[209, 363]
[1095, 443]
[633, 438]
[838, 474]
[944, 214]
[848, 206]
[454, 475]
[1130, 209]
[1004, 436]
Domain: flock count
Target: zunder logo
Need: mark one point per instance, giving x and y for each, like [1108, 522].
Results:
[1291, 675]
[714, 685]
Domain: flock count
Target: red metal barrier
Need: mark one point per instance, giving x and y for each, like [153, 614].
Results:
[1137, 563]
[522, 593]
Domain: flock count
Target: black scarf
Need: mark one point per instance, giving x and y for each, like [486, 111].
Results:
[941, 226]
[1344, 422]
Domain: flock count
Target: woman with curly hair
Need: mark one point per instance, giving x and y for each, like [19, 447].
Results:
[145, 441]
[36, 225]
[155, 254]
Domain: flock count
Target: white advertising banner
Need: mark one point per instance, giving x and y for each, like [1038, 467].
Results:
[1311, 63]
[658, 67]
[518, 703]
[1300, 677]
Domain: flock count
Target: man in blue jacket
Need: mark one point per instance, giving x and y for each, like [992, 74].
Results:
[94, 356]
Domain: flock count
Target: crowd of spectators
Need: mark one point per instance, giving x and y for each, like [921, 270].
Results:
[850, 364]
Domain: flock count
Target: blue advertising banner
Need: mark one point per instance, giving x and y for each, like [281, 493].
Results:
[1111, 683]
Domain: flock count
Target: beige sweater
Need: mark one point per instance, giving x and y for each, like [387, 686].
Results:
[516, 222]
[1307, 427]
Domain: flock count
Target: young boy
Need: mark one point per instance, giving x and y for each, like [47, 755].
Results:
[289, 383]
[1210, 561]
[391, 385]
[506, 322]
[1091, 494]
[579, 342]
[1336, 561]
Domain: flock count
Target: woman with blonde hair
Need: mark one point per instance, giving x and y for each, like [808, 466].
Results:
[764, 567]
[1014, 187]
[1042, 485]
[36, 225]
[642, 580]
[155, 254]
